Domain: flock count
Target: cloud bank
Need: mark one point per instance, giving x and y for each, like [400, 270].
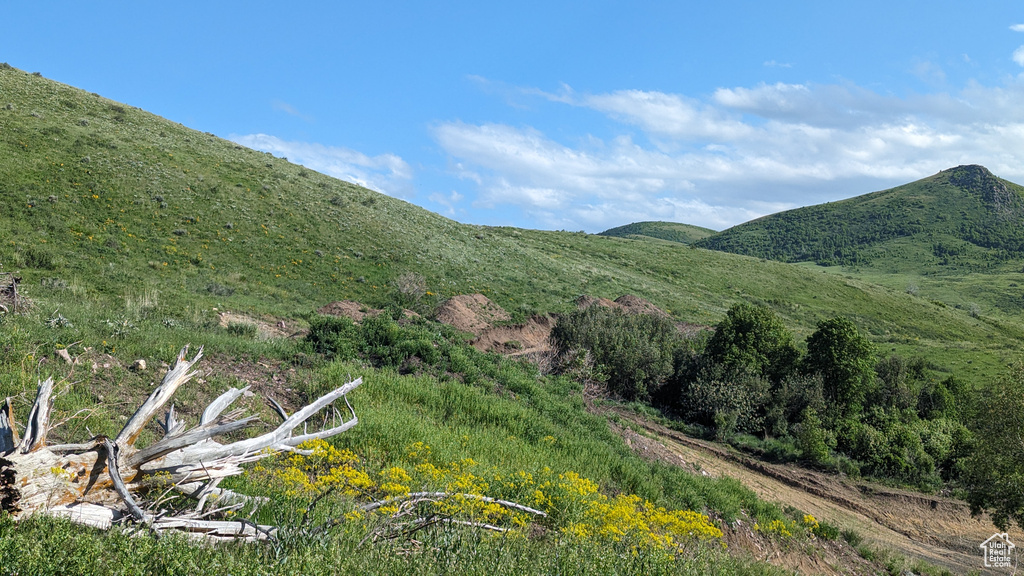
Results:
[735, 154]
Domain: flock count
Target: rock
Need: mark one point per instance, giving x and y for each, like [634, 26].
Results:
[139, 365]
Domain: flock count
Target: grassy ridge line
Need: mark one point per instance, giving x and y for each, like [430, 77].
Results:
[117, 201]
[670, 231]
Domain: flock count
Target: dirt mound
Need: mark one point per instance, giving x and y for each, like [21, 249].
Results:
[517, 339]
[471, 313]
[637, 305]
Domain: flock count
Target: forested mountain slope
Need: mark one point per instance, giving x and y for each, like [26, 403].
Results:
[961, 215]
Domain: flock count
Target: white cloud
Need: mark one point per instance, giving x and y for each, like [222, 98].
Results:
[774, 64]
[669, 114]
[740, 153]
[1018, 56]
[1017, 27]
[385, 173]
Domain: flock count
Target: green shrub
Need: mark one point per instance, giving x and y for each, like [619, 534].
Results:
[635, 350]
[333, 336]
[852, 537]
[825, 531]
[41, 258]
[218, 289]
[707, 393]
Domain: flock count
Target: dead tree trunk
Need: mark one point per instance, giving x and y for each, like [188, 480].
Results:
[106, 480]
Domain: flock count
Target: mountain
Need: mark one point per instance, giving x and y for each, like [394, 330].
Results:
[671, 231]
[963, 217]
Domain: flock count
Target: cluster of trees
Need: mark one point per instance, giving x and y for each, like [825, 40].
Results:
[835, 404]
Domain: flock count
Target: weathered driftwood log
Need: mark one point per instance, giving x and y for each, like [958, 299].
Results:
[105, 480]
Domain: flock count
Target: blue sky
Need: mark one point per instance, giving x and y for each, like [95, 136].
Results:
[567, 115]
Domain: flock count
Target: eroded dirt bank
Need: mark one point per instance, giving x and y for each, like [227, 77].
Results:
[936, 529]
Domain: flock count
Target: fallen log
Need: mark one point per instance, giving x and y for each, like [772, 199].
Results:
[105, 481]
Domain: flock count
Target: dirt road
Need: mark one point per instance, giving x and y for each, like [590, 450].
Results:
[936, 529]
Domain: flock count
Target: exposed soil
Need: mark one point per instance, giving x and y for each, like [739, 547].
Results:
[476, 314]
[637, 305]
[471, 313]
[12, 299]
[815, 557]
[586, 301]
[517, 339]
[936, 529]
[265, 377]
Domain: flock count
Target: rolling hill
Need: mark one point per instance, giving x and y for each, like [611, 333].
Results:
[107, 199]
[131, 234]
[671, 231]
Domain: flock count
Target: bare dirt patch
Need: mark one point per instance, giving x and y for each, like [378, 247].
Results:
[531, 337]
[265, 377]
[585, 301]
[12, 299]
[471, 313]
[815, 557]
[936, 529]
[637, 305]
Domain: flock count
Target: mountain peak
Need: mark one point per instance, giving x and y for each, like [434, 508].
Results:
[974, 169]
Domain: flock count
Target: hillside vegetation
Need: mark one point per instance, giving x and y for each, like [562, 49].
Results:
[962, 217]
[131, 234]
[671, 231]
[101, 199]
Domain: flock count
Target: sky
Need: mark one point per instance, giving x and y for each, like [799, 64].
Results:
[567, 115]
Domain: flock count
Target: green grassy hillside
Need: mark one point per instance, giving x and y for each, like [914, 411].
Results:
[101, 200]
[131, 233]
[671, 231]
